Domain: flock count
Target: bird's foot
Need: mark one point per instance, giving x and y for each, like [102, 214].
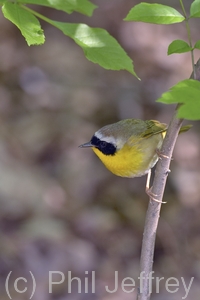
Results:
[161, 155]
[153, 196]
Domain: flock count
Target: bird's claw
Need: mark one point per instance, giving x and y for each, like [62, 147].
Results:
[153, 196]
[161, 155]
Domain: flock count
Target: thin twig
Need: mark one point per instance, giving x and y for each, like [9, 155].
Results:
[153, 212]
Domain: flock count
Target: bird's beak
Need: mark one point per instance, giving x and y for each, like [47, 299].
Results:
[89, 144]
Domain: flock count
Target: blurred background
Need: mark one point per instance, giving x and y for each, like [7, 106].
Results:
[61, 209]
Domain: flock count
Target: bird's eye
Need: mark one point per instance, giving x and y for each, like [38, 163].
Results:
[103, 144]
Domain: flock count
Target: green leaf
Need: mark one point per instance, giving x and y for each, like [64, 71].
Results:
[178, 46]
[186, 92]
[195, 9]
[154, 13]
[27, 23]
[197, 45]
[82, 6]
[98, 46]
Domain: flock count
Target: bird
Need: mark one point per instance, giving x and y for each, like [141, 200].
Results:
[131, 147]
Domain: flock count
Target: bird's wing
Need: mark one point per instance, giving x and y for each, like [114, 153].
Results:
[153, 127]
[150, 128]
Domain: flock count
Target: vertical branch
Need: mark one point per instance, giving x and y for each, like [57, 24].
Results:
[153, 212]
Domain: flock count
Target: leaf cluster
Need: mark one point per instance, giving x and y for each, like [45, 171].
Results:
[101, 48]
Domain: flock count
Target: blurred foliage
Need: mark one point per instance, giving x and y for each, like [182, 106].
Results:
[61, 210]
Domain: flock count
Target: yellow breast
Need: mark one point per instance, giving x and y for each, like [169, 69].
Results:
[133, 160]
[125, 163]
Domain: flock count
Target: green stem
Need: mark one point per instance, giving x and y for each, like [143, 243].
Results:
[189, 36]
[39, 15]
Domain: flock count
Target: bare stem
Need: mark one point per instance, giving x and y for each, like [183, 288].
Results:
[153, 212]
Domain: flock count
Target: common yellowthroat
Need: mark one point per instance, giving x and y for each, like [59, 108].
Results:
[129, 147]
